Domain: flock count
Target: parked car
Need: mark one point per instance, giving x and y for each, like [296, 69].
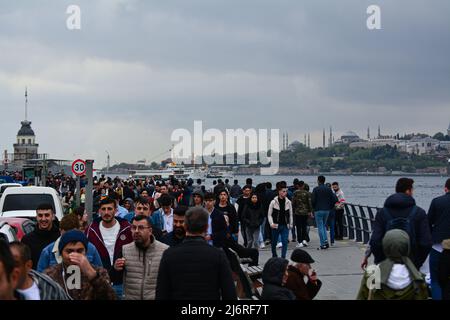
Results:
[22, 202]
[22, 226]
[4, 186]
[7, 232]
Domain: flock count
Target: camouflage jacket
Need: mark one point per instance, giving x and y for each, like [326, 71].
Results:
[301, 202]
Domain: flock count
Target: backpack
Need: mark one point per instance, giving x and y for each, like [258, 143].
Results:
[405, 224]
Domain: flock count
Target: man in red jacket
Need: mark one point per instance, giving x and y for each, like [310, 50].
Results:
[108, 235]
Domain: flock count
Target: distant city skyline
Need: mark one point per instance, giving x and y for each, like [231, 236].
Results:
[138, 70]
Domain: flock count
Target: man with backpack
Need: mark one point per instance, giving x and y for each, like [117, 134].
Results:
[400, 212]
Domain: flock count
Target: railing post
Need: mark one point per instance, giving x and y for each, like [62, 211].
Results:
[358, 228]
[365, 225]
[351, 226]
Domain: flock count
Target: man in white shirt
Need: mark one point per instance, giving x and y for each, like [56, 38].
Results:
[108, 235]
[34, 285]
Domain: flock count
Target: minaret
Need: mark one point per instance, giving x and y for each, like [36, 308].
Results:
[379, 132]
[330, 140]
[324, 137]
[284, 143]
[287, 141]
[309, 141]
[368, 133]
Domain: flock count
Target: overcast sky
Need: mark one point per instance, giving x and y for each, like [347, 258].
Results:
[139, 69]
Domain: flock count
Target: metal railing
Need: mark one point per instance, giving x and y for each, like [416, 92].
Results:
[358, 221]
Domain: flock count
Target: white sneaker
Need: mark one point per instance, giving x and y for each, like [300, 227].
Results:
[279, 245]
[305, 243]
[299, 245]
[262, 245]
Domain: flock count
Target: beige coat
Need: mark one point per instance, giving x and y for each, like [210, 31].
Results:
[141, 271]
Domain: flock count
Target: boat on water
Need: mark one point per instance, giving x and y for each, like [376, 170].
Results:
[171, 171]
[219, 173]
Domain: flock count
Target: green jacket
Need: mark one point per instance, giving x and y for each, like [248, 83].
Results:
[396, 247]
[415, 291]
[301, 202]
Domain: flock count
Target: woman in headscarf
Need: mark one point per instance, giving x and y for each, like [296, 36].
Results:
[396, 277]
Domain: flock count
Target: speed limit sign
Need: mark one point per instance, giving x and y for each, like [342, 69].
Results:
[79, 167]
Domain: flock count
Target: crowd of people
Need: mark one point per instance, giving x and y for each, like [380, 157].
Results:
[176, 240]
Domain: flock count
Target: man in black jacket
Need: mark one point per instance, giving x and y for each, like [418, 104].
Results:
[45, 233]
[323, 200]
[195, 270]
[400, 212]
[439, 219]
[178, 234]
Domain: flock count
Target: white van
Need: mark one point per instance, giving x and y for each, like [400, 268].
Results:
[4, 186]
[22, 202]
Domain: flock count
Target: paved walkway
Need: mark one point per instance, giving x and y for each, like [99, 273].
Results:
[337, 267]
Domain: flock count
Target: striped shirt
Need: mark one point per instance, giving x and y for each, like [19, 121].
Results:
[48, 288]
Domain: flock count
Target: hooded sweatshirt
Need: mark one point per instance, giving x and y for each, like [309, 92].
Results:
[272, 276]
[401, 205]
[398, 278]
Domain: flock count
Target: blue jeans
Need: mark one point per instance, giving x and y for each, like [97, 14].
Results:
[282, 231]
[321, 221]
[118, 288]
[436, 292]
[331, 223]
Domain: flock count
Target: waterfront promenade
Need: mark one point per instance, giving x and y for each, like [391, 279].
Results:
[337, 267]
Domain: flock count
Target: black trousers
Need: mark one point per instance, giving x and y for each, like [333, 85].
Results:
[339, 230]
[244, 233]
[301, 224]
[243, 252]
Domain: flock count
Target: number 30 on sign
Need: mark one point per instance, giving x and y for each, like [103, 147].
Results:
[79, 167]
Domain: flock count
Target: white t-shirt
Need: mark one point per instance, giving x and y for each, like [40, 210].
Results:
[109, 238]
[32, 293]
[168, 221]
[399, 278]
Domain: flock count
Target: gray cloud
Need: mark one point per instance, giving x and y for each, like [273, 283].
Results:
[139, 69]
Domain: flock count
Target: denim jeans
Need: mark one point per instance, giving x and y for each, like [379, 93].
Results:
[436, 292]
[321, 221]
[332, 223]
[282, 231]
[118, 288]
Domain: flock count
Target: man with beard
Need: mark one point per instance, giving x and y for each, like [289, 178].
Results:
[178, 234]
[140, 261]
[45, 233]
[33, 285]
[109, 235]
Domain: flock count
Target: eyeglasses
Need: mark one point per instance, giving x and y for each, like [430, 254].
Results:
[139, 228]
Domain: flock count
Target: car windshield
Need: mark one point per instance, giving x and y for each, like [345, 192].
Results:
[26, 201]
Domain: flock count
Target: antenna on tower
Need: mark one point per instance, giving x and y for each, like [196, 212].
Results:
[26, 103]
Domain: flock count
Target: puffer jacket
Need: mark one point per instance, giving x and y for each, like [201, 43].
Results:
[274, 215]
[141, 270]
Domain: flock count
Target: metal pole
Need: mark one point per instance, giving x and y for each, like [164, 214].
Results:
[78, 196]
[44, 171]
[89, 189]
